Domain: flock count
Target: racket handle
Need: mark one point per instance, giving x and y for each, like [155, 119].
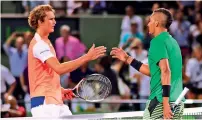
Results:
[75, 95]
[172, 107]
[179, 99]
[183, 93]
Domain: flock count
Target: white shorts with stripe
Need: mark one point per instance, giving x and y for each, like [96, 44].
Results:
[51, 110]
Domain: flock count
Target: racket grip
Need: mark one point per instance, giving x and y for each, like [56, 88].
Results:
[172, 107]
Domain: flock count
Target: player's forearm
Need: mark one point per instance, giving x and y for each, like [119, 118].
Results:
[165, 101]
[11, 89]
[144, 68]
[165, 80]
[165, 77]
[70, 66]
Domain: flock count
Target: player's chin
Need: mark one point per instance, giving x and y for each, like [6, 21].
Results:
[52, 30]
[150, 32]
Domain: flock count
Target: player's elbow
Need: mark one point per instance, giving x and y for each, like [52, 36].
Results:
[59, 69]
[165, 76]
[59, 72]
[55, 65]
[165, 72]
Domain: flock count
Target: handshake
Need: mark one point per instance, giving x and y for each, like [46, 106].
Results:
[96, 52]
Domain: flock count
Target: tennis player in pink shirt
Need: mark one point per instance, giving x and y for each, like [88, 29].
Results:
[47, 95]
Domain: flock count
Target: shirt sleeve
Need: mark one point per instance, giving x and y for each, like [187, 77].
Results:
[42, 51]
[159, 51]
[8, 77]
[8, 49]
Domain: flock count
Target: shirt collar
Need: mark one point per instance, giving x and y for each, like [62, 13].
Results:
[162, 33]
[37, 36]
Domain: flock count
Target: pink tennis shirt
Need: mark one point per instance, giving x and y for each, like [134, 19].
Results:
[43, 80]
[73, 48]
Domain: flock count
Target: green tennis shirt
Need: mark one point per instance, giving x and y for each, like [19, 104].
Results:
[164, 46]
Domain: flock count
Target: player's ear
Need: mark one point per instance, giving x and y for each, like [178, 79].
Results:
[39, 22]
[156, 23]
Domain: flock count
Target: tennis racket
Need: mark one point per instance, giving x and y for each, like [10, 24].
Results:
[93, 88]
[179, 99]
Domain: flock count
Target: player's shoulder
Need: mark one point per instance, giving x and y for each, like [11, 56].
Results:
[37, 46]
[164, 37]
[37, 42]
[40, 46]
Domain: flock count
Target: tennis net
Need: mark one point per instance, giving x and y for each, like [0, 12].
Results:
[189, 114]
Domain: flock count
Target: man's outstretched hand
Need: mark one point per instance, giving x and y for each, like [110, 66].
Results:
[119, 53]
[96, 52]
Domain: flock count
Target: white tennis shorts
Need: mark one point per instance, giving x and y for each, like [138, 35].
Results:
[51, 110]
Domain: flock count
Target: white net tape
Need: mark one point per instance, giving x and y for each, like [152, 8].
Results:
[118, 115]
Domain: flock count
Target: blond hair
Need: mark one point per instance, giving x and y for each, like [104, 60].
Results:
[38, 13]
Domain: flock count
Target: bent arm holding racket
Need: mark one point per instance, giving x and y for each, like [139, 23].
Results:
[165, 80]
[168, 111]
[61, 68]
[120, 54]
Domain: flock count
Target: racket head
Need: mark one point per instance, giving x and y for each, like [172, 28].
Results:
[93, 88]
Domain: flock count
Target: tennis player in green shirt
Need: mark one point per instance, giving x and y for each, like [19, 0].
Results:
[165, 68]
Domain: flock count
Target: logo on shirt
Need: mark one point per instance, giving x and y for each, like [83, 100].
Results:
[44, 51]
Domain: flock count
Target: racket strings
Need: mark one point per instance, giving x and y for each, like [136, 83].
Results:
[97, 90]
[108, 88]
[95, 87]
